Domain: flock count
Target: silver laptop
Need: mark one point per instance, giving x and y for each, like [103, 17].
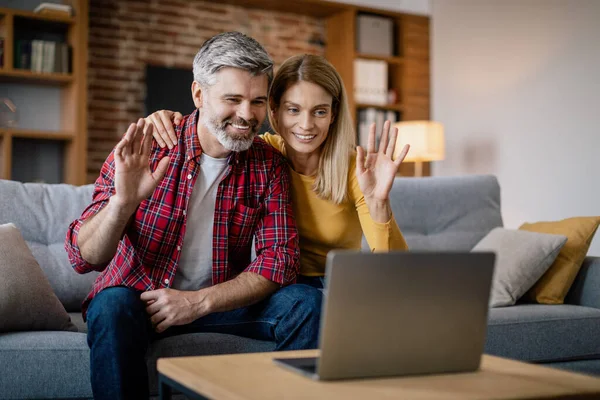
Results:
[401, 313]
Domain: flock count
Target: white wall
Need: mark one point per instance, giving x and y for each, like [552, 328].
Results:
[517, 85]
[408, 6]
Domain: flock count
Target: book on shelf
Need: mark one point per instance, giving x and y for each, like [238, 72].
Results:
[370, 81]
[1, 52]
[54, 9]
[43, 56]
[22, 54]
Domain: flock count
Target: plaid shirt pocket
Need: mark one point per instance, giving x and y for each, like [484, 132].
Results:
[243, 225]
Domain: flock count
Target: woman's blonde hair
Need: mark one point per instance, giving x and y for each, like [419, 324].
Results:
[334, 164]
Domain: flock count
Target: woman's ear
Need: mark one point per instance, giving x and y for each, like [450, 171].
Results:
[273, 115]
[197, 93]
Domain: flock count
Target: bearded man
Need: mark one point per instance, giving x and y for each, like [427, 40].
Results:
[171, 230]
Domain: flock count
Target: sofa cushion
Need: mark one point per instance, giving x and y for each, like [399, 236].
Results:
[57, 364]
[521, 259]
[553, 287]
[26, 298]
[446, 213]
[43, 212]
[77, 320]
[544, 333]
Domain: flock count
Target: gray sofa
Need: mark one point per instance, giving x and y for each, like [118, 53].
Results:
[434, 214]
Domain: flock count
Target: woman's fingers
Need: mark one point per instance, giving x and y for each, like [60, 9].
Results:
[371, 141]
[392, 143]
[166, 129]
[177, 118]
[360, 160]
[400, 157]
[150, 121]
[384, 137]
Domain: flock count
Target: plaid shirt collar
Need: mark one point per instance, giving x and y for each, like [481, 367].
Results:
[194, 150]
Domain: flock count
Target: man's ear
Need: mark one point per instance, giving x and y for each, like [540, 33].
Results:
[197, 94]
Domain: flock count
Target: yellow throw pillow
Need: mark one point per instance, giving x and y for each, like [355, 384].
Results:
[554, 285]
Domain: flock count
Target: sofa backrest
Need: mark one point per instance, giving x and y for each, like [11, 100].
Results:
[43, 212]
[446, 213]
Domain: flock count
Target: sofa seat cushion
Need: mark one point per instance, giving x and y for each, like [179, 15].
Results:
[544, 333]
[57, 364]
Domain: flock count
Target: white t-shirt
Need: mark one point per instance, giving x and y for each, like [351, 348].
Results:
[196, 261]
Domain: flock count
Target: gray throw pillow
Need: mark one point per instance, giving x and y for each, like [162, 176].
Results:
[27, 302]
[522, 258]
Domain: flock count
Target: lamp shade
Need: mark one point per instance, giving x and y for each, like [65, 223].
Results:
[426, 140]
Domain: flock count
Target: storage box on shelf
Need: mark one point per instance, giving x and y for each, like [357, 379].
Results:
[46, 50]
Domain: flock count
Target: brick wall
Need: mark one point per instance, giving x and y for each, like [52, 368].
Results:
[126, 35]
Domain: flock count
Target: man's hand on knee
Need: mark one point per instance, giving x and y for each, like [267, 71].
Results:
[170, 307]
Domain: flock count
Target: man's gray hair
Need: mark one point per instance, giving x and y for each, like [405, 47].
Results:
[230, 49]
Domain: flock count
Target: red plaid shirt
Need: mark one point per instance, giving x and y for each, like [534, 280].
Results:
[253, 199]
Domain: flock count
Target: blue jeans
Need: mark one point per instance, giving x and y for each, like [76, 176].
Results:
[120, 332]
[314, 281]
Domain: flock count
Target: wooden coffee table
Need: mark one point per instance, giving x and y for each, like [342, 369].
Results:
[255, 376]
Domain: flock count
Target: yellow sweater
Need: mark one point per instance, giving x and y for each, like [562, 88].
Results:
[324, 225]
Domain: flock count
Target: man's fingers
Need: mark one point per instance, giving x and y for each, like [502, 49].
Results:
[147, 141]
[137, 137]
[153, 308]
[163, 326]
[119, 149]
[161, 169]
[151, 295]
[157, 318]
[124, 145]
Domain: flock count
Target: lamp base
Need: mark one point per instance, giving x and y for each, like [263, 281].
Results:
[418, 169]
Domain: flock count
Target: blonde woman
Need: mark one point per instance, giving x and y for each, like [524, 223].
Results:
[338, 193]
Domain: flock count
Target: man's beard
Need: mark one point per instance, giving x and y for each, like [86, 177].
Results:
[230, 142]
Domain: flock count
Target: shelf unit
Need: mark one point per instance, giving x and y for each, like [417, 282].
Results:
[408, 68]
[71, 137]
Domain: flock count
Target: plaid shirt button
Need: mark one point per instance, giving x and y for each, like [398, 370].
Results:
[190, 176]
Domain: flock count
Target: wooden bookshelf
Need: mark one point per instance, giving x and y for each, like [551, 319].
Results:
[408, 68]
[389, 60]
[37, 134]
[26, 76]
[72, 134]
[39, 17]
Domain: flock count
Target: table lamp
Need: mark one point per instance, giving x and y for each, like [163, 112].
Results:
[426, 139]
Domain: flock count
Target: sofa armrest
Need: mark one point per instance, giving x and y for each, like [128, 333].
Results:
[585, 290]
